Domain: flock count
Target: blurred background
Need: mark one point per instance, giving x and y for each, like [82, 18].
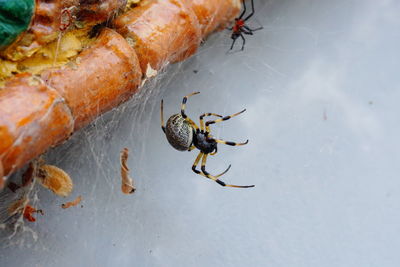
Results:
[320, 84]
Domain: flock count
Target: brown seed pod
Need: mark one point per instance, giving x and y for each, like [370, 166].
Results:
[127, 186]
[72, 203]
[55, 179]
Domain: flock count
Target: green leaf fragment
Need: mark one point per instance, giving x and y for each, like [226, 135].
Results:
[15, 16]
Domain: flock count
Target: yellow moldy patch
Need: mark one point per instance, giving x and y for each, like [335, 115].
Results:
[69, 46]
[7, 68]
[49, 56]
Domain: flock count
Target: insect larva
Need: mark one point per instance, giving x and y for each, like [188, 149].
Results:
[72, 203]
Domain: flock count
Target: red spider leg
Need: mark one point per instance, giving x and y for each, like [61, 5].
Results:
[243, 30]
[244, 41]
[252, 11]
[233, 43]
[253, 30]
[244, 10]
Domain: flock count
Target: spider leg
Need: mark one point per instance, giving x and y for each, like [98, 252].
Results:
[196, 162]
[183, 111]
[215, 178]
[252, 11]
[244, 9]
[233, 43]
[191, 148]
[229, 143]
[244, 41]
[253, 30]
[222, 173]
[215, 152]
[245, 31]
[223, 119]
[205, 115]
[162, 115]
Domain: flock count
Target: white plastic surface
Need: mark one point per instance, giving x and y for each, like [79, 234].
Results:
[321, 86]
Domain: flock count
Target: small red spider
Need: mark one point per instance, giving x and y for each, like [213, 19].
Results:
[65, 19]
[240, 27]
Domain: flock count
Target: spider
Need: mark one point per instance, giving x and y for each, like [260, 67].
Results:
[184, 135]
[240, 27]
[65, 19]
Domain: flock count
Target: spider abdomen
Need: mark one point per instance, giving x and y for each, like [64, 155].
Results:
[179, 133]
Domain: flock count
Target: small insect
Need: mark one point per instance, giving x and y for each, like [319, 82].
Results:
[72, 203]
[65, 19]
[183, 134]
[240, 26]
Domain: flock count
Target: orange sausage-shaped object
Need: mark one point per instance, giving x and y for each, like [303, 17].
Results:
[33, 118]
[213, 15]
[102, 77]
[162, 31]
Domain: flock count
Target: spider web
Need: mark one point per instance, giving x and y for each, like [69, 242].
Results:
[177, 218]
[91, 156]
